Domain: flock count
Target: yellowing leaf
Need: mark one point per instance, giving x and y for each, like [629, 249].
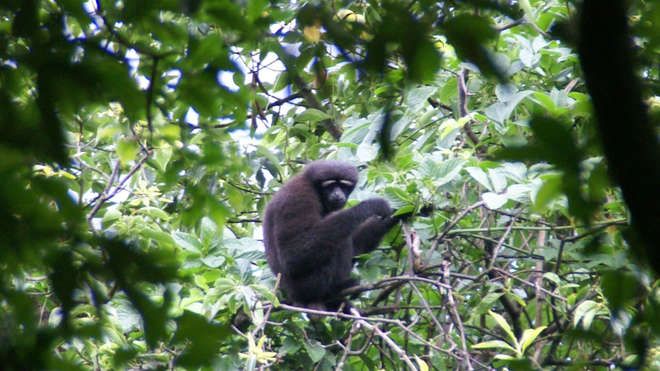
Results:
[421, 364]
[366, 36]
[350, 16]
[255, 351]
[44, 170]
[48, 171]
[312, 33]
[263, 356]
[66, 174]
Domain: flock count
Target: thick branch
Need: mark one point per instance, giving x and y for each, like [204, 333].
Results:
[629, 140]
[463, 105]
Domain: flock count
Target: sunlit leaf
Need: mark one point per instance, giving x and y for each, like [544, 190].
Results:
[528, 337]
[504, 325]
[480, 176]
[494, 200]
[421, 364]
[127, 150]
[187, 241]
[584, 313]
[493, 344]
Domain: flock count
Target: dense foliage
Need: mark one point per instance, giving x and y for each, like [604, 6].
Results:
[141, 141]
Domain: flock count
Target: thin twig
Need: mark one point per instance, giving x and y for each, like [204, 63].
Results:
[392, 344]
[457, 219]
[530, 284]
[457, 320]
[498, 247]
[106, 194]
[463, 105]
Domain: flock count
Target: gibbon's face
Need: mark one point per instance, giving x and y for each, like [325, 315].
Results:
[334, 193]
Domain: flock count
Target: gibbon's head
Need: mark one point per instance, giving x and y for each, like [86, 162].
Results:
[333, 180]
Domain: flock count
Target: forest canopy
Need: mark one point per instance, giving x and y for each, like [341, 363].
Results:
[141, 140]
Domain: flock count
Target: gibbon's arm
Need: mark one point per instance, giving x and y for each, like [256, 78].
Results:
[341, 224]
[369, 234]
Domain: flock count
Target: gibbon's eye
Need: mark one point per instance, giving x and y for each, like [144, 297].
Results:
[346, 183]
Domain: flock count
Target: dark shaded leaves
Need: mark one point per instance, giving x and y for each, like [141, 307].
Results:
[200, 348]
[469, 35]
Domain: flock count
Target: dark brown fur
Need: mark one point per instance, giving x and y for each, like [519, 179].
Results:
[313, 246]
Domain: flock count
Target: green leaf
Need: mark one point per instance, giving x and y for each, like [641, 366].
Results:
[449, 170]
[621, 288]
[367, 151]
[249, 296]
[107, 132]
[552, 277]
[486, 303]
[201, 91]
[480, 176]
[416, 98]
[502, 110]
[399, 196]
[210, 49]
[155, 213]
[493, 344]
[585, 312]
[504, 357]
[356, 129]
[164, 239]
[545, 101]
[550, 190]
[127, 150]
[111, 214]
[503, 325]
[313, 115]
[162, 156]
[404, 122]
[404, 210]
[497, 179]
[199, 350]
[208, 231]
[469, 34]
[187, 241]
[213, 261]
[528, 337]
[423, 62]
[442, 172]
[315, 350]
[226, 284]
[290, 346]
[494, 200]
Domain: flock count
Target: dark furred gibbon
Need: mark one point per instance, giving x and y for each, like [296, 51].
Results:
[311, 241]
